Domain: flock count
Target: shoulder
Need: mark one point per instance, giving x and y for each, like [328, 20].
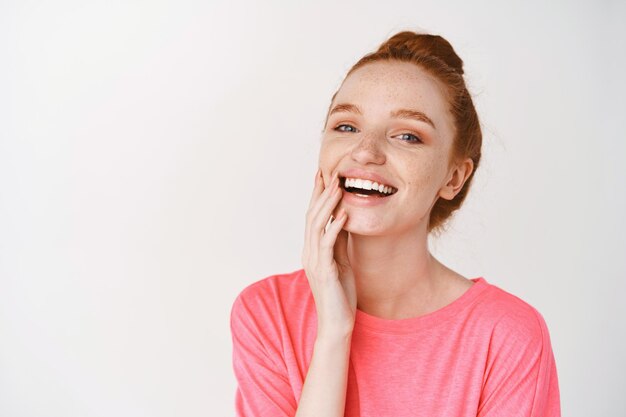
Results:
[508, 310]
[273, 287]
[519, 369]
[267, 312]
[271, 294]
[511, 321]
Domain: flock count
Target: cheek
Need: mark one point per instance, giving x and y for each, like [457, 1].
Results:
[330, 154]
[325, 158]
[422, 176]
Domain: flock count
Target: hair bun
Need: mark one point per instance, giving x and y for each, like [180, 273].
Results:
[426, 45]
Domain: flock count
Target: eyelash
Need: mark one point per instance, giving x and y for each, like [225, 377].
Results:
[418, 139]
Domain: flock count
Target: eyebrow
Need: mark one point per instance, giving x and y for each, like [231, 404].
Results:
[400, 113]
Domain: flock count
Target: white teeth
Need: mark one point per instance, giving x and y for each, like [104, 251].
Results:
[368, 185]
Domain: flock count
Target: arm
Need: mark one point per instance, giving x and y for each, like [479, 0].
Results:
[521, 378]
[326, 379]
[263, 387]
[330, 276]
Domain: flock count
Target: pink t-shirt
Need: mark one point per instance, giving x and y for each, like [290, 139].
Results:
[486, 354]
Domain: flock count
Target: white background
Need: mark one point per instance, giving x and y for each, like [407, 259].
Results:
[156, 157]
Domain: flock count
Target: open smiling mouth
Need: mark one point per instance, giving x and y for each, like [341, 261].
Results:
[366, 188]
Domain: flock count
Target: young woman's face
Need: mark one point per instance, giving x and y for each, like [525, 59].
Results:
[379, 126]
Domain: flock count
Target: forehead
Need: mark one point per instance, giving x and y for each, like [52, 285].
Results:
[380, 87]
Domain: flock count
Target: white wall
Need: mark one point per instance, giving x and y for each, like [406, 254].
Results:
[156, 157]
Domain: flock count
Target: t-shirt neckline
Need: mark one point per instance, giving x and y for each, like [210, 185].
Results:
[366, 321]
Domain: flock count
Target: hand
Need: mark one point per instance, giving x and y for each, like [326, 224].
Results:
[326, 263]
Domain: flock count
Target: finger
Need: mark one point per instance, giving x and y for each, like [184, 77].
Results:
[326, 195]
[319, 193]
[318, 187]
[324, 207]
[329, 240]
[335, 223]
[320, 215]
[318, 201]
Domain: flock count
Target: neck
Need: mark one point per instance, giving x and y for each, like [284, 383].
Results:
[394, 273]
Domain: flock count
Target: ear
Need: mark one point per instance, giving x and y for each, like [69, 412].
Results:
[457, 177]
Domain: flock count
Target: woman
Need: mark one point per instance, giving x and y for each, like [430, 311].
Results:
[374, 325]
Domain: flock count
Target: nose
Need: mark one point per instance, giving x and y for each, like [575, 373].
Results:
[369, 150]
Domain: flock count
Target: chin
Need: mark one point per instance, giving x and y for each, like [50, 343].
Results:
[359, 226]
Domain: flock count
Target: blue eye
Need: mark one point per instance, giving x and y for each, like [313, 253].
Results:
[416, 139]
[413, 138]
[341, 130]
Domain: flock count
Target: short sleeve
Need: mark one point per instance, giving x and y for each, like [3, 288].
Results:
[263, 388]
[520, 376]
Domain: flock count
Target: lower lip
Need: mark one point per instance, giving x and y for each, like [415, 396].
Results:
[364, 201]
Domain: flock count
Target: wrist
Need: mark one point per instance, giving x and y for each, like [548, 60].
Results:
[334, 340]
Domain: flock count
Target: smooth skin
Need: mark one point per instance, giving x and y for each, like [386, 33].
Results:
[326, 260]
[332, 282]
[376, 258]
